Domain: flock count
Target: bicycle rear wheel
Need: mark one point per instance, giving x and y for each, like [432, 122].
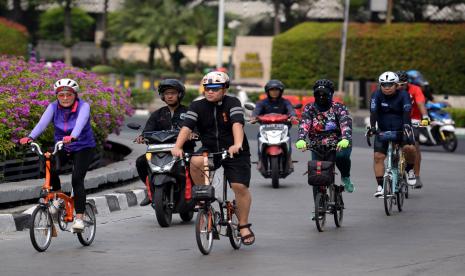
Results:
[388, 195]
[338, 208]
[233, 231]
[320, 211]
[86, 237]
[41, 228]
[204, 230]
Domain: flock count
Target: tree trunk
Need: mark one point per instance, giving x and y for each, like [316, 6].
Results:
[68, 43]
[152, 48]
[277, 24]
[197, 58]
[390, 5]
[17, 13]
[104, 44]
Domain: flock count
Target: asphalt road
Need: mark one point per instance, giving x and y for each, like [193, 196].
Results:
[427, 238]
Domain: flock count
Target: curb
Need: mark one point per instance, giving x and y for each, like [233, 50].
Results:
[104, 205]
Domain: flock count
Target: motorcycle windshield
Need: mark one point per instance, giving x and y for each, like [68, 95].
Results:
[164, 136]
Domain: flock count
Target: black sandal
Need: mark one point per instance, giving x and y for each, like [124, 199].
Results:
[246, 237]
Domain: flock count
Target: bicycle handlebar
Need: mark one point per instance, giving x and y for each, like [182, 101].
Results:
[36, 147]
[224, 154]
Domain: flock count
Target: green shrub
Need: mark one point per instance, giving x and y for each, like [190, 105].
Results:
[190, 95]
[13, 38]
[458, 114]
[310, 51]
[52, 21]
[103, 69]
[141, 97]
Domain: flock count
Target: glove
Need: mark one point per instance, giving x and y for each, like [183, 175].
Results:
[68, 139]
[344, 143]
[371, 131]
[25, 140]
[301, 144]
[425, 121]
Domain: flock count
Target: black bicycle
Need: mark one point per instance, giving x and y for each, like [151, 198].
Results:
[327, 195]
[212, 223]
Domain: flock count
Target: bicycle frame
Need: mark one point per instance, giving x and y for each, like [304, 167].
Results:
[394, 165]
[46, 195]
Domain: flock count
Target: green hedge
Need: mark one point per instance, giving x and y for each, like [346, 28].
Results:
[458, 114]
[13, 38]
[142, 97]
[311, 51]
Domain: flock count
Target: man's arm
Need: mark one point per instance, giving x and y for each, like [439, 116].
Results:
[373, 110]
[305, 123]
[258, 109]
[407, 108]
[183, 136]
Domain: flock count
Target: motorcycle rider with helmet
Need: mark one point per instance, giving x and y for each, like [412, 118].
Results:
[168, 117]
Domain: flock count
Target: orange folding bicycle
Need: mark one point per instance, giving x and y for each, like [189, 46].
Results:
[42, 227]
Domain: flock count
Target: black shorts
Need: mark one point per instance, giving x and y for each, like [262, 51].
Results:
[236, 169]
[382, 147]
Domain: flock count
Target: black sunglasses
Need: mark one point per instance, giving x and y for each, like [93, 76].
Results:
[387, 84]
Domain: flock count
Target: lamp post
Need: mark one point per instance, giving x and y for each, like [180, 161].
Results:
[233, 25]
[344, 45]
[219, 61]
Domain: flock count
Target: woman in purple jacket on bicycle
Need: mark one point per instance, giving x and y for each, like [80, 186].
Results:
[71, 119]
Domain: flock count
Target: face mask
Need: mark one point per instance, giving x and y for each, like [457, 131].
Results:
[322, 100]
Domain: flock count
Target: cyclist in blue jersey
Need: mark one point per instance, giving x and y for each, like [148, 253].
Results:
[390, 110]
[70, 116]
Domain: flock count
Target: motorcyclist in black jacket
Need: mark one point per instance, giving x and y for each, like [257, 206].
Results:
[168, 117]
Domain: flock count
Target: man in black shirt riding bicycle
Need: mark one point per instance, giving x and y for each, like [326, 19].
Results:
[219, 120]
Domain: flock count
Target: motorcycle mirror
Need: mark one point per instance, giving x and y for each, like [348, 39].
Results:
[134, 126]
[298, 106]
[249, 106]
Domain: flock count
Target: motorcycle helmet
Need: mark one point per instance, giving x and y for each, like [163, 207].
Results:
[216, 79]
[323, 91]
[274, 84]
[171, 83]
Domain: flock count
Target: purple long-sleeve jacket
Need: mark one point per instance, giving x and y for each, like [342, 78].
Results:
[73, 121]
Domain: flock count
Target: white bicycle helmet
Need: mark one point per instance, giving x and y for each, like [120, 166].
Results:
[61, 84]
[388, 77]
[216, 78]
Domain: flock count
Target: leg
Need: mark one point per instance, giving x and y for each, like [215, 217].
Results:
[379, 164]
[244, 201]
[196, 170]
[81, 163]
[142, 170]
[343, 163]
[410, 156]
[417, 159]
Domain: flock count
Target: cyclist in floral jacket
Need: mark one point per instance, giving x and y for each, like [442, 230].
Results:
[328, 123]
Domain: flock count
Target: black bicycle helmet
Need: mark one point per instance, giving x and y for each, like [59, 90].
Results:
[403, 77]
[171, 83]
[324, 84]
[274, 84]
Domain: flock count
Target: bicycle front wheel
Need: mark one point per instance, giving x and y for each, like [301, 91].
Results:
[320, 211]
[86, 237]
[401, 195]
[41, 228]
[204, 230]
[233, 230]
[388, 195]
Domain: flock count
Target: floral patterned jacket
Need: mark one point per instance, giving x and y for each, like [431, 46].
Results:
[328, 127]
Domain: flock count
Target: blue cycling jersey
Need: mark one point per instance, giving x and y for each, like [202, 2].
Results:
[390, 112]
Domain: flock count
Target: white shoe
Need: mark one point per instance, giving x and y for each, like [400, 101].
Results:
[379, 191]
[78, 225]
[411, 178]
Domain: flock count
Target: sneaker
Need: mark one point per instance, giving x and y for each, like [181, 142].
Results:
[145, 201]
[419, 184]
[348, 185]
[379, 191]
[411, 178]
[78, 225]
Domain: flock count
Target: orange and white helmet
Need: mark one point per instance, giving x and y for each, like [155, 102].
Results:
[216, 79]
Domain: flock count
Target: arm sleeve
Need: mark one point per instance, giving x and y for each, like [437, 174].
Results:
[407, 108]
[258, 109]
[345, 122]
[290, 108]
[305, 123]
[236, 113]
[46, 118]
[418, 95]
[151, 122]
[373, 110]
[81, 121]
[192, 116]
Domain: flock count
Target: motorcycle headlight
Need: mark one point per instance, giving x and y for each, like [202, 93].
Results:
[169, 166]
[284, 133]
[263, 134]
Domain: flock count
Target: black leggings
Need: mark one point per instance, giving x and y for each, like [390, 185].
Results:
[81, 162]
